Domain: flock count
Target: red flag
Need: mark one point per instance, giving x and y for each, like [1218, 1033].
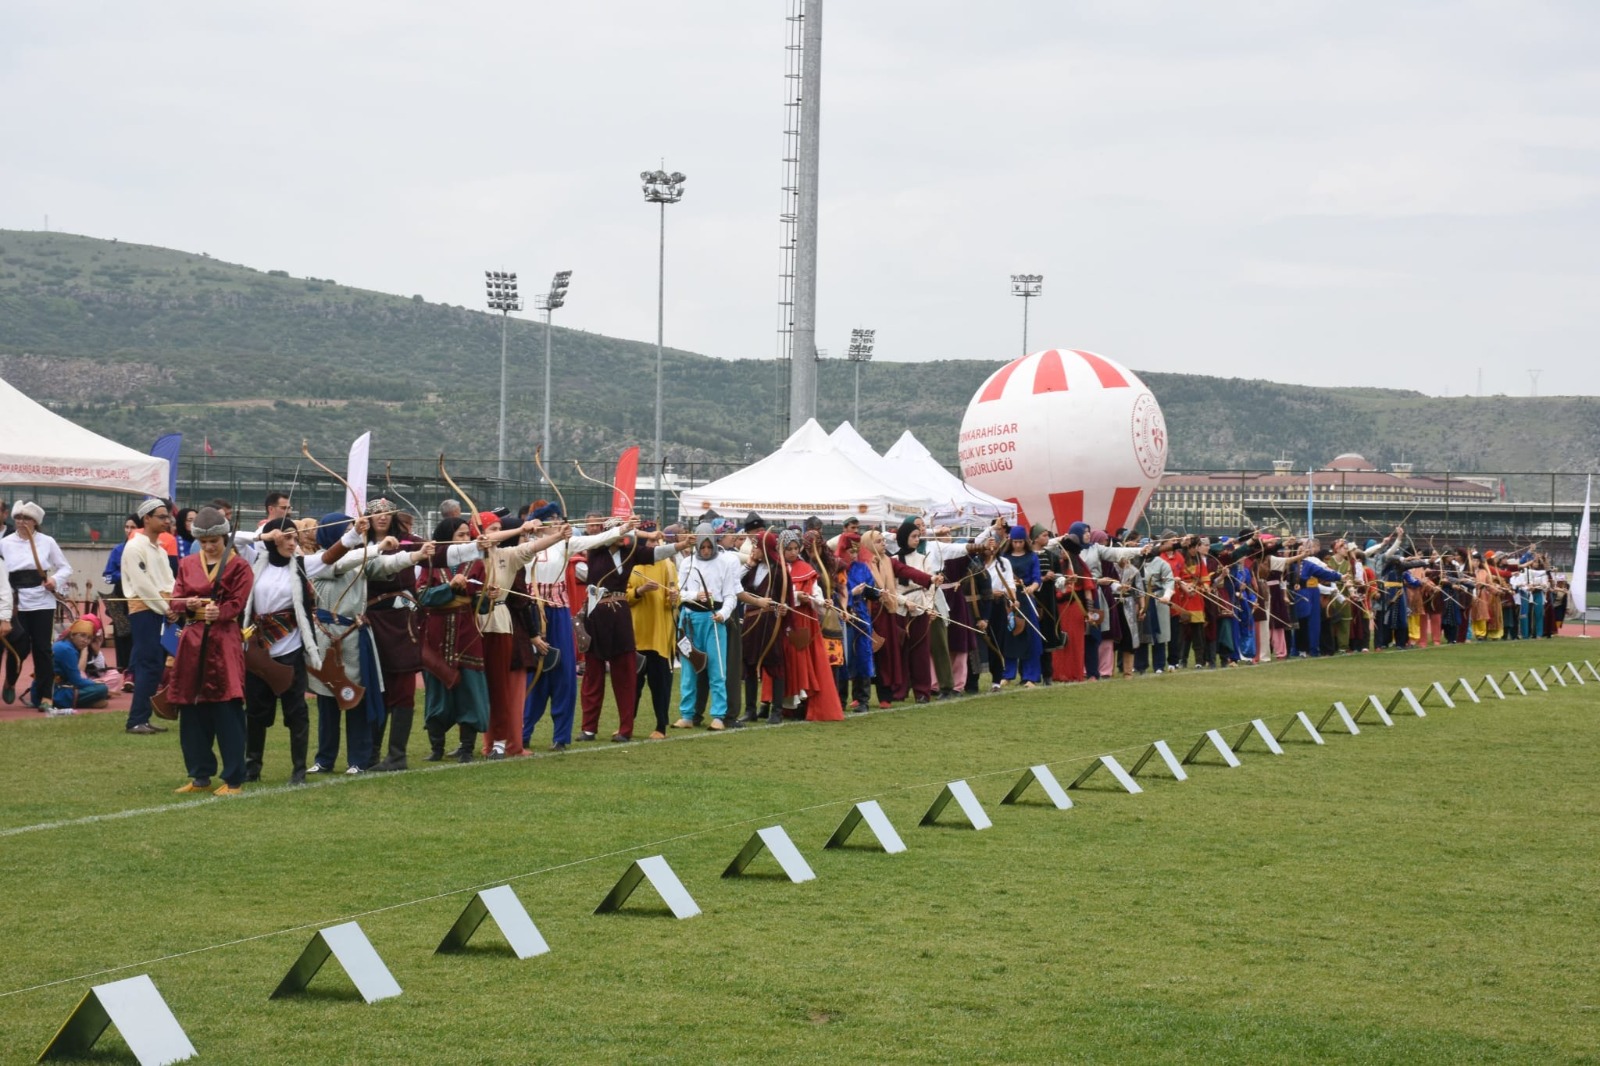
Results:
[624, 484]
[208, 446]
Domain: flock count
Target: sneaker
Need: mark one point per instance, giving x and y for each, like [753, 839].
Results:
[45, 707]
[9, 694]
[318, 768]
[883, 705]
[252, 778]
[193, 786]
[496, 753]
[297, 778]
[618, 738]
[585, 737]
[143, 729]
[558, 747]
[228, 790]
[60, 712]
[354, 770]
[995, 687]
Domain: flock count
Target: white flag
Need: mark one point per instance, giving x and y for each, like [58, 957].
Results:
[356, 474]
[1579, 585]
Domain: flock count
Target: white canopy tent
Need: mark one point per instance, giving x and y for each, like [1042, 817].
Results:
[950, 500]
[39, 447]
[807, 475]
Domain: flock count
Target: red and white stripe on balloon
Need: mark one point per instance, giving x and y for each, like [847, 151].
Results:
[1067, 436]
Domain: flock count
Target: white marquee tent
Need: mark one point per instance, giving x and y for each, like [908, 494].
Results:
[39, 447]
[950, 501]
[807, 475]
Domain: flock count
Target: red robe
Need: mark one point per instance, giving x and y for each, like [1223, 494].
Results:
[215, 675]
[807, 668]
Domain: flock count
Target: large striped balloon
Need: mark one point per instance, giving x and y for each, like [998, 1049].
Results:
[1067, 436]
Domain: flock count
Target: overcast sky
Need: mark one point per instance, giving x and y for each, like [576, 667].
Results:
[1373, 193]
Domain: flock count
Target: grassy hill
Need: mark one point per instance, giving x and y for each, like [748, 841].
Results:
[137, 340]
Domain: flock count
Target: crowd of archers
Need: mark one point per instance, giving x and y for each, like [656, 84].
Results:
[509, 619]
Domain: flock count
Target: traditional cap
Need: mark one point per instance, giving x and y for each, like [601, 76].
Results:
[487, 519]
[29, 509]
[851, 522]
[210, 522]
[1036, 531]
[754, 521]
[848, 539]
[725, 525]
[788, 537]
[149, 507]
[1371, 543]
[544, 512]
[1018, 533]
[381, 506]
[647, 526]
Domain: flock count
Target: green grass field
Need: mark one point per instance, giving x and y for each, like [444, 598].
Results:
[1421, 893]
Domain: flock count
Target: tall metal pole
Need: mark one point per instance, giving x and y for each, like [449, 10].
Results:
[661, 320]
[803, 359]
[500, 466]
[1025, 301]
[545, 450]
[856, 421]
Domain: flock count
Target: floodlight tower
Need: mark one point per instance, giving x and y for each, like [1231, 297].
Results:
[860, 351]
[502, 288]
[661, 188]
[550, 301]
[1026, 286]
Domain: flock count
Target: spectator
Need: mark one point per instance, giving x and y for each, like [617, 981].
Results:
[37, 569]
[72, 688]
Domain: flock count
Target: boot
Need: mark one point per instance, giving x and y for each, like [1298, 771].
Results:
[775, 709]
[435, 742]
[469, 737]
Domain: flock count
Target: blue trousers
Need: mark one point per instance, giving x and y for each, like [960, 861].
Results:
[1537, 617]
[200, 725]
[149, 661]
[701, 628]
[358, 734]
[556, 688]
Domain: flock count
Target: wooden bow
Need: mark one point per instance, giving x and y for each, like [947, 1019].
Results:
[472, 521]
[305, 450]
[388, 482]
[538, 462]
[608, 484]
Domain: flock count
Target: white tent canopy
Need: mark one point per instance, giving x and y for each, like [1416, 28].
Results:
[949, 499]
[807, 475]
[39, 447]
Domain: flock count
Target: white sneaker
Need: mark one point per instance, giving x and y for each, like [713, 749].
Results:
[316, 768]
[60, 712]
[354, 770]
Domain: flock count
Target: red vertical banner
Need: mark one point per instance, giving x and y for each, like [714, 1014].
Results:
[626, 481]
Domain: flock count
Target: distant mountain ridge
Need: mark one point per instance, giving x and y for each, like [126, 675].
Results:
[136, 340]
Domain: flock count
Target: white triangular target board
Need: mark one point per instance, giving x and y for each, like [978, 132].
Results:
[1464, 687]
[501, 904]
[1046, 780]
[1409, 698]
[1555, 672]
[1372, 704]
[775, 840]
[1114, 768]
[872, 814]
[1511, 676]
[348, 944]
[1159, 747]
[1533, 675]
[655, 870]
[1437, 689]
[1301, 719]
[1214, 738]
[1258, 728]
[141, 1016]
[1494, 686]
[1338, 708]
[1575, 675]
[961, 792]
[1589, 666]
